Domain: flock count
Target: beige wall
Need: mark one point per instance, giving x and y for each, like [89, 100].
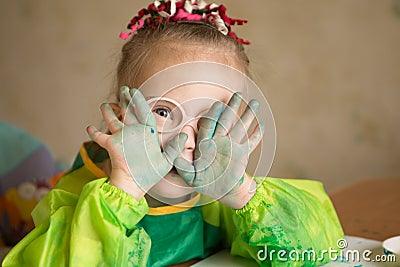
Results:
[330, 70]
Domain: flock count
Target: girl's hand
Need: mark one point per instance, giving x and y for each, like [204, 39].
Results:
[133, 145]
[222, 152]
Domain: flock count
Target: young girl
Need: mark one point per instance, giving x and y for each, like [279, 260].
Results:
[132, 197]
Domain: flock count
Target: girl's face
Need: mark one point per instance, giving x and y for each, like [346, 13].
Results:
[194, 100]
[197, 98]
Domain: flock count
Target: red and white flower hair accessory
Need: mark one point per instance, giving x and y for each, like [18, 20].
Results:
[184, 10]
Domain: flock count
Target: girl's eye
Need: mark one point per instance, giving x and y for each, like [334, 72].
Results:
[163, 112]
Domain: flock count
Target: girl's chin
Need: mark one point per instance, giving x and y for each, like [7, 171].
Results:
[171, 186]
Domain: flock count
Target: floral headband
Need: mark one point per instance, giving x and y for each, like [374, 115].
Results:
[184, 10]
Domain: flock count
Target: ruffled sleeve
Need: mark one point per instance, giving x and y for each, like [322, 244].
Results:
[93, 228]
[295, 217]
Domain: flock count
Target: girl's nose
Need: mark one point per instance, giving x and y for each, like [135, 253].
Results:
[191, 132]
[190, 129]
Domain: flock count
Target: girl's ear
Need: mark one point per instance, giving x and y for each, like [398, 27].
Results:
[117, 110]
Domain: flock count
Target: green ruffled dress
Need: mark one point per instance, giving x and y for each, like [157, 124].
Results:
[84, 221]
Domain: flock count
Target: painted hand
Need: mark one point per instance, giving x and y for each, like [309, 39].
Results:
[222, 151]
[133, 145]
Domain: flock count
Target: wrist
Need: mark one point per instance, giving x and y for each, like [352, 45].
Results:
[126, 183]
[242, 195]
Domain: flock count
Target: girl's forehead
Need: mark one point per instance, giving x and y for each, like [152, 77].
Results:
[167, 56]
[199, 91]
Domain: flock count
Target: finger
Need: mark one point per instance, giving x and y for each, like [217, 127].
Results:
[185, 169]
[256, 137]
[208, 122]
[97, 136]
[143, 111]
[124, 99]
[127, 111]
[206, 153]
[239, 131]
[229, 115]
[175, 147]
[112, 121]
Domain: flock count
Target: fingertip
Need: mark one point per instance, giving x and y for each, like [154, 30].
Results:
[218, 106]
[239, 94]
[262, 127]
[181, 164]
[184, 136]
[123, 88]
[236, 98]
[104, 105]
[91, 130]
[124, 94]
[133, 91]
[177, 163]
[254, 105]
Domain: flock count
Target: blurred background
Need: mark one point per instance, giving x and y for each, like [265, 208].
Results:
[329, 69]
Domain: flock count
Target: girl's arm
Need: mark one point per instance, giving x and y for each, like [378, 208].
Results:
[95, 227]
[288, 216]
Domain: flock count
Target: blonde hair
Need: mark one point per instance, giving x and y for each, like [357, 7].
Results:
[137, 51]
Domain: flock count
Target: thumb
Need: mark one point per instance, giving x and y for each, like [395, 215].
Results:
[175, 147]
[185, 169]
